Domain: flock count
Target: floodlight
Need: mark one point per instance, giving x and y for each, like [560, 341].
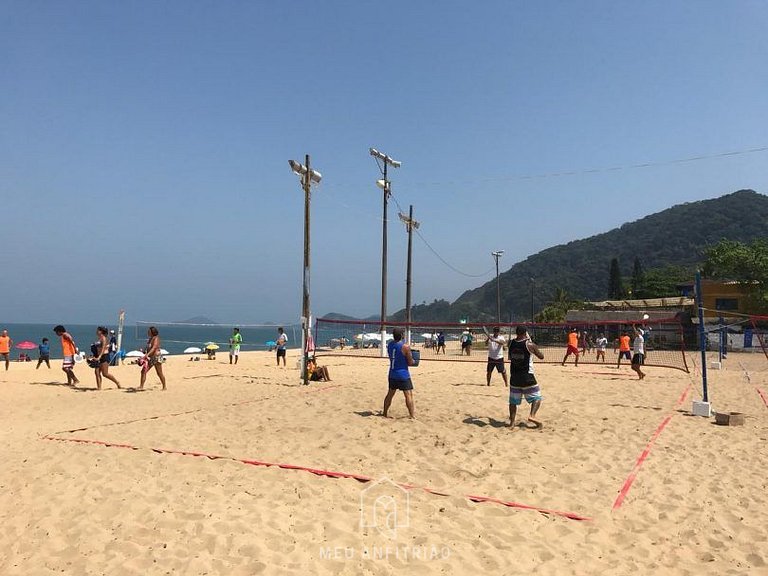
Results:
[301, 170]
[383, 157]
[381, 184]
[407, 221]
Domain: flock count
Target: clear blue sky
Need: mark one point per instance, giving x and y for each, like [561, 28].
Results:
[144, 144]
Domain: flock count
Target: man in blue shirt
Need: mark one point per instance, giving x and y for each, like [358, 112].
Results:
[45, 353]
[399, 378]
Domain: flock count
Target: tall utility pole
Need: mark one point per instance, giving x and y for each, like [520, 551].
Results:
[496, 255]
[410, 226]
[533, 283]
[308, 177]
[384, 185]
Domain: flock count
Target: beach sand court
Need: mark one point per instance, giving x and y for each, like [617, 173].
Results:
[107, 483]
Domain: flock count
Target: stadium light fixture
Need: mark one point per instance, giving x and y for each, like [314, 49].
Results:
[301, 171]
[384, 161]
[308, 177]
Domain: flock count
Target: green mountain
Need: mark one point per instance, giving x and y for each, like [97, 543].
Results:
[676, 237]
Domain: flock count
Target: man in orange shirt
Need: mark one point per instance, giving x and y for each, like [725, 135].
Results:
[624, 349]
[573, 346]
[69, 350]
[5, 348]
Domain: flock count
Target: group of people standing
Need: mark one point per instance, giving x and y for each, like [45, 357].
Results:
[522, 380]
[635, 354]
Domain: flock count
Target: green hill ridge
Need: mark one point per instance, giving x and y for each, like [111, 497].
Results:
[677, 236]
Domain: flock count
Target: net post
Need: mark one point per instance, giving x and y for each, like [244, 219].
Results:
[702, 338]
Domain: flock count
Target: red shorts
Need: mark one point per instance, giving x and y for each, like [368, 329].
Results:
[572, 350]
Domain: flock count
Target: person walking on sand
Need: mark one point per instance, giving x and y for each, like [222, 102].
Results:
[522, 382]
[282, 341]
[399, 377]
[113, 356]
[152, 357]
[5, 348]
[573, 346]
[234, 344]
[495, 356]
[638, 347]
[101, 358]
[68, 350]
[44, 355]
[623, 348]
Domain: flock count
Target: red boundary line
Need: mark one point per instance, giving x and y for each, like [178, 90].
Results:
[327, 473]
[762, 395]
[646, 452]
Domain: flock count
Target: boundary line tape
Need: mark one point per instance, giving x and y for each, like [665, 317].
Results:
[326, 473]
[646, 452]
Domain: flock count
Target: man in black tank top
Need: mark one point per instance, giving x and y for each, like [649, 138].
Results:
[522, 382]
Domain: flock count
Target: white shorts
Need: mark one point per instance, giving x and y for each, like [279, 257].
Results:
[234, 352]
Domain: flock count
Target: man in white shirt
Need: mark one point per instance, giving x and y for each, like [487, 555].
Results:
[496, 356]
[638, 348]
[282, 341]
[602, 344]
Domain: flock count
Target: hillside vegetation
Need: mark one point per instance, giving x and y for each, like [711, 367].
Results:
[671, 242]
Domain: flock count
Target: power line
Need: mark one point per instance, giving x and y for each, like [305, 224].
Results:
[633, 166]
[443, 260]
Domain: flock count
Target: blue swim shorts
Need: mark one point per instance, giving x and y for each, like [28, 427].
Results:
[532, 394]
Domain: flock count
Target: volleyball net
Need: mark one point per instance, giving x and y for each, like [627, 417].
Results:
[665, 343]
[760, 330]
[184, 335]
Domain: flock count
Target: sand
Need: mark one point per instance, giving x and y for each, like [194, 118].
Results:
[698, 504]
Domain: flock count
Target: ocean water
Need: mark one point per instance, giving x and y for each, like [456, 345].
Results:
[173, 338]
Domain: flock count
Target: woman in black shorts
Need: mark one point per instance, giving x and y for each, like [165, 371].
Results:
[100, 359]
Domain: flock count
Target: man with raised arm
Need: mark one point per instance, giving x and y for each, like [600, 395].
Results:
[495, 356]
[638, 347]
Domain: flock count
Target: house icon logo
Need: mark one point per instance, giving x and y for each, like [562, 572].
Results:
[385, 507]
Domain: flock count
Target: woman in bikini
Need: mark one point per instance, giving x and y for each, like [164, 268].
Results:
[152, 357]
[101, 358]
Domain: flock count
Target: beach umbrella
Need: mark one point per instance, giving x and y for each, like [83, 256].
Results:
[164, 352]
[192, 350]
[26, 345]
[211, 346]
[134, 354]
